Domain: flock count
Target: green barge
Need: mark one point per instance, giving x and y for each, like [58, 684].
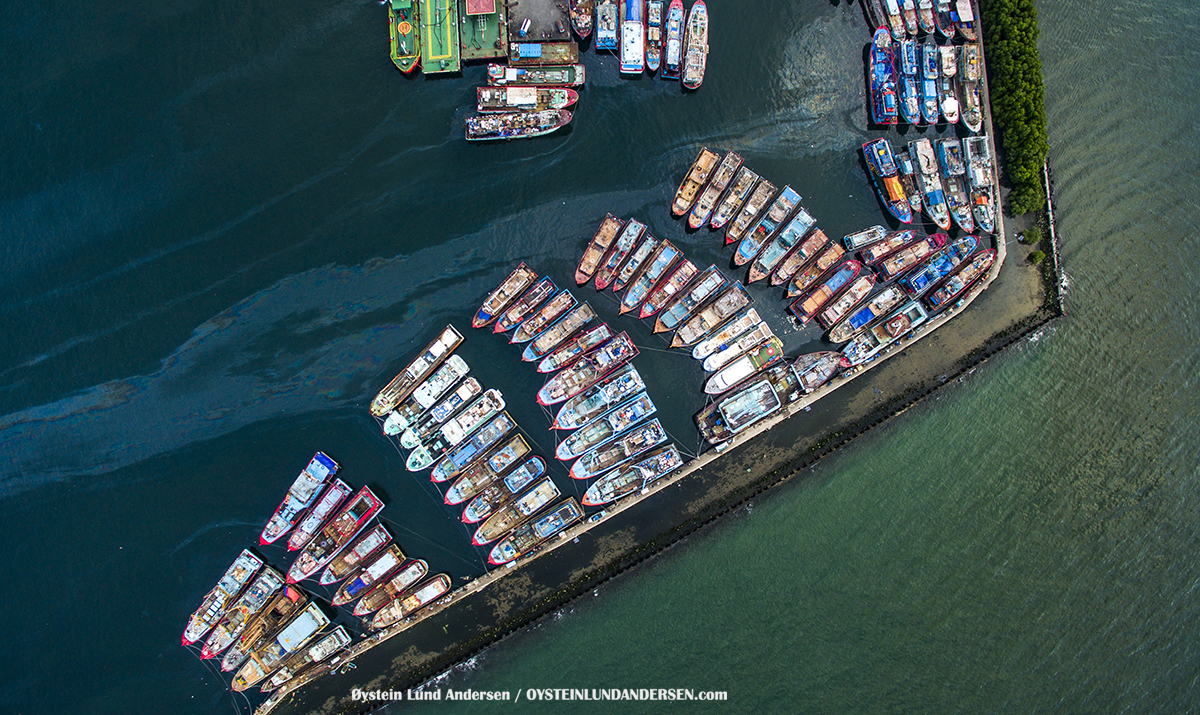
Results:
[439, 35]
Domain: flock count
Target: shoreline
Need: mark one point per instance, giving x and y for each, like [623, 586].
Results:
[516, 608]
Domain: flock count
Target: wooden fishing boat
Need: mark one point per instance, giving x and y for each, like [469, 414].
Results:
[800, 256]
[650, 274]
[743, 184]
[403, 384]
[812, 272]
[679, 277]
[576, 345]
[525, 305]
[636, 259]
[763, 192]
[705, 286]
[508, 291]
[696, 177]
[781, 245]
[597, 248]
[553, 336]
[619, 252]
[712, 316]
[703, 209]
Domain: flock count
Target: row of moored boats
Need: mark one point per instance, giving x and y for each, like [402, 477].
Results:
[265, 628]
[925, 83]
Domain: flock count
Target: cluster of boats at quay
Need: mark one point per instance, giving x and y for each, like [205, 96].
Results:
[867, 304]
[529, 94]
[924, 83]
[266, 629]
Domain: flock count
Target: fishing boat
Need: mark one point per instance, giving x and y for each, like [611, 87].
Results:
[930, 73]
[300, 496]
[925, 16]
[698, 174]
[461, 457]
[222, 596]
[455, 431]
[353, 555]
[738, 346]
[884, 333]
[891, 243]
[619, 252]
[404, 30]
[884, 301]
[816, 369]
[929, 100]
[636, 259]
[590, 403]
[552, 337]
[749, 403]
[432, 424]
[428, 425]
[853, 295]
[305, 660]
[895, 19]
[704, 206]
[908, 63]
[720, 339]
[516, 511]
[752, 361]
[516, 125]
[487, 470]
[763, 191]
[330, 500]
[673, 41]
[908, 10]
[705, 286]
[576, 345]
[808, 276]
[502, 491]
[668, 288]
[695, 45]
[339, 531]
[743, 184]
[909, 98]
[908, 180]
[963, 278]
[597, 248]
[633, 477]
[493, 474]
[392, 588]
[529, 535]
[909, 256]
[948, 99]
[943, 17]
[969, 64]
[403, 384]
[938, 266]
[954, 178]
[407, 413]
[711, 316]
[884, 110]
[524, 306]
[499, 100]
[606, 25]
[806, 307]
[585, 371]
[885, 175]
[970, 104]
[865, 237]
[264, 626]
[799, 257]
[243, 610]
[546, 75]
[765, 227]
[633, 36]
[654, 33]
[410, 603]
[618, 450]
[293, 636]
[368, 575]
[651, 273]
[980, 180]
[606, 426]
[554, 309]
[964, 21]
[930, 182]
[581, 17]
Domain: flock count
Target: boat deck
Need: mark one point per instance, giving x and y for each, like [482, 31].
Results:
[439, 36]
[548, 20]
[481, 35]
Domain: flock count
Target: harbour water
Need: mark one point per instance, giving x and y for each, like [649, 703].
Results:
[226, 225]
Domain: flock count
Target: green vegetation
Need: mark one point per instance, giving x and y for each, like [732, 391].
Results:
[1037, 257]
[1032, 236]
[1010, 35]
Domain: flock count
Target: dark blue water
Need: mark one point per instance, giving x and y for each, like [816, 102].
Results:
[226, 225]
